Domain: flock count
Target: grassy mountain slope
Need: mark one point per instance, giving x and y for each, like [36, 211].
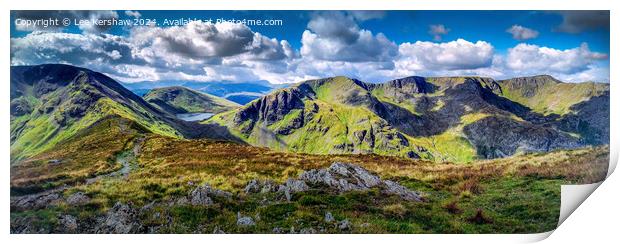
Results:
[178, 99]
[52, 103]
[439, 118]
[92, 151]
[546, 95]
[310, 118]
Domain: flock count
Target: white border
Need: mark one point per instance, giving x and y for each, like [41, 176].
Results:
[315, 5]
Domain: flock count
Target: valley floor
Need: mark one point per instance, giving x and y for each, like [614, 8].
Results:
[124, 181]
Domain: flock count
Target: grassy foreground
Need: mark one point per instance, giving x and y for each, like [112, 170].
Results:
[520, 194]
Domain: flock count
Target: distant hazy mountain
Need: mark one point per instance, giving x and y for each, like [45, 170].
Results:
[239, 92]
[178, 99]
[445, 118]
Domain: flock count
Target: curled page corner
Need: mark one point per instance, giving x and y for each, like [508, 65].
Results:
[532, 238]
[613, 156]
[572, 197]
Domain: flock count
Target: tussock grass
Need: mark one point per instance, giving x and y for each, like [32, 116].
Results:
[519, 194]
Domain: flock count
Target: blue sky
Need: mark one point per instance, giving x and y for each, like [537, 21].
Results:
[369, 45]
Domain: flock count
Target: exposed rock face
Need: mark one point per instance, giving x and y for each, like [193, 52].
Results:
[292, 186]
[348, 177]
[20, 107]
[120, 219]
[269, 109]
[342, 177]
[344, 225]
[590, 120]
[36, 201]
[500, 137]
[217, 230]
[24, 226]
[329, 217]
[202, 195]
[244, 220]
[394, 188]
[78, 198]
[262, 186]
[307, 231]
[68, 224]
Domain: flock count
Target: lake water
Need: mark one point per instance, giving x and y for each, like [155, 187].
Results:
[194, 116]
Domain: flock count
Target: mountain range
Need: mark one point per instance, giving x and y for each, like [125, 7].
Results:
[456, 119]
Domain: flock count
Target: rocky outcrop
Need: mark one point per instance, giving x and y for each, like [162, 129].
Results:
[394, 188]
[244, 221]
[344, 225]
[20, 107]
[343, 177]
[260, 186]
[292, 186]
[78, 198]
[37, 201]
[202, 195]
[340, 177]
[329, 217]
[68, 224]
[120, 219]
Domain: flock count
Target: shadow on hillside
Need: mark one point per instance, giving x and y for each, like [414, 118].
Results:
[196, 130]
[589, 120]
[437, 114]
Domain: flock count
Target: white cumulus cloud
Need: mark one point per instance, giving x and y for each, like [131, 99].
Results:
[454, 55]
[134, 14]
[534, 58]
[335, 36]
[437, 31]
[45, 47]
[522, 33]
